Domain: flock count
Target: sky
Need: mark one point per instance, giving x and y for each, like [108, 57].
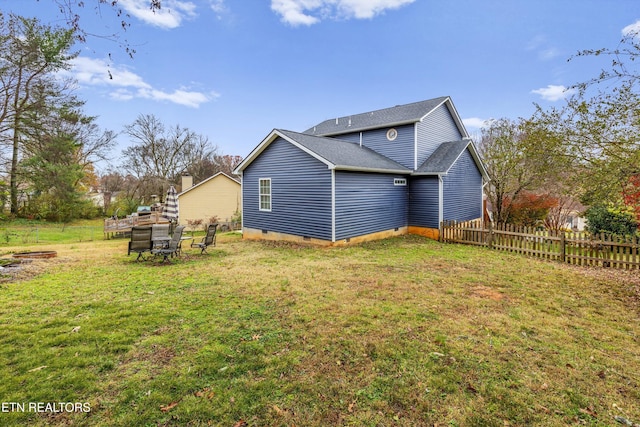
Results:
[233, 70]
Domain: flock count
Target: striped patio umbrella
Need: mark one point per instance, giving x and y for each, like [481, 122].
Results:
[170, 210]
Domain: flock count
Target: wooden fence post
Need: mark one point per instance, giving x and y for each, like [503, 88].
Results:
[563, 245]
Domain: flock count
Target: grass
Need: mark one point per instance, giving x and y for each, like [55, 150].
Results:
[23, 232]
[399, 332]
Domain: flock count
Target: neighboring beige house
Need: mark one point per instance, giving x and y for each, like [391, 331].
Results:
[217, 196]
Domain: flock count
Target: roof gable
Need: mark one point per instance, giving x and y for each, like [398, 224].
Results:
[207, 180]
[336, 154]
[393, 116]
[445, 156]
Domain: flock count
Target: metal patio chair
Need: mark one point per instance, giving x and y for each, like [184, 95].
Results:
[173, 248]
[140, 241]
[208, 240]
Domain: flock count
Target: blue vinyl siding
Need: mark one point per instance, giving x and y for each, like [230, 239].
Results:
[436, 128]
[462, 189]
[368, 203]
[424, 204]
[400, 149]
[350, 137]
[300, 192]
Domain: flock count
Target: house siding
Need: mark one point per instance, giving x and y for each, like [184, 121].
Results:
[436, 128]
[369, 203]
[462, 189]
[424, 202]
[400, 149]
[218, 197]
[300, 192]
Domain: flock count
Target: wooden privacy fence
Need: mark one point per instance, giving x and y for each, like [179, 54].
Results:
[578, 248]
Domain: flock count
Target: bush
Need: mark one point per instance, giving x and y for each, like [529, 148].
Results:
[610, 219]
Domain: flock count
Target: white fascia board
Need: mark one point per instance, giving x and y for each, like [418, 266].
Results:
[358, 169]
[256, 152]
[454, 114]
[361, 129]
[306, 150]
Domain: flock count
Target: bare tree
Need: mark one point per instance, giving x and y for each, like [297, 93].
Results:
[158, 156]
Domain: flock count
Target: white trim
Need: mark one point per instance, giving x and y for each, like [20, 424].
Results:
[415, 146]
[242, 200]
[260, 208]
[454, 115]
[207, 180]
[441, 200]
[333, 205]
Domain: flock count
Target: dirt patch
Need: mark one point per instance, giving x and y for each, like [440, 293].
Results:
[486, 292]
[26, 269]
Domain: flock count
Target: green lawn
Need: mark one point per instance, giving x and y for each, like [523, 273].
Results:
[399, 332]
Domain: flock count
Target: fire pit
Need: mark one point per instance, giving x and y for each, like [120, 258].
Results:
[35, 255]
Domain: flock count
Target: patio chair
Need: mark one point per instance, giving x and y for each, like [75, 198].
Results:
[208, 240]
[160, 235]
[173, 248]
[140, 240]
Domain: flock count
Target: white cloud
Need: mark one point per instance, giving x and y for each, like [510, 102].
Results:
[309, 12]
[554, 92]
[474, 122]
[127, 85]
[632, 30]
[169, 16]
[543, 48]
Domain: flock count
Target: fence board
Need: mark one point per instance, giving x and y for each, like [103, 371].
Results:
[576, 248]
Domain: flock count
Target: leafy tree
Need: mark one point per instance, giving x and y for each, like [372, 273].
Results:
[530, 209]
[603, 218]
[519, 157]
[29, 53]
[599, 125]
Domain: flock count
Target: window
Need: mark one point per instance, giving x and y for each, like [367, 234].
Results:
[265, 194]
[400, 181]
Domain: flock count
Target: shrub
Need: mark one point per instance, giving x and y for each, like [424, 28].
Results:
[610, 219]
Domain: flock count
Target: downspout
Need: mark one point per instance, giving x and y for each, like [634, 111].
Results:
[333, 204]
[360, 139]
[415, 146]
[242, 199]
[441, 200]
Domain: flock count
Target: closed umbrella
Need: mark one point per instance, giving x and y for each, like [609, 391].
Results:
[171, 205]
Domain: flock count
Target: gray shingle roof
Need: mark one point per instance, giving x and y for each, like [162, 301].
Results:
[345, 155]
[443, 158]
[393, 116]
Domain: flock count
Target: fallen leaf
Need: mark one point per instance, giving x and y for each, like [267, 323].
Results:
[39, 368]
[241, 423]
[589, 411]
[471, 388]
[205, 392]
[170, 406]
[256, 337]
[76, 329]
[351, 406]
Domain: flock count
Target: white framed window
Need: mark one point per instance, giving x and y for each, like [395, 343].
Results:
[400, 181]
[265, 194]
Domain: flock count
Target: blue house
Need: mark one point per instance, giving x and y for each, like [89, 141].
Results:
[394, 171]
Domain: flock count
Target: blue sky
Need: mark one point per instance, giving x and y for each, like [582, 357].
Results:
[234, 70]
